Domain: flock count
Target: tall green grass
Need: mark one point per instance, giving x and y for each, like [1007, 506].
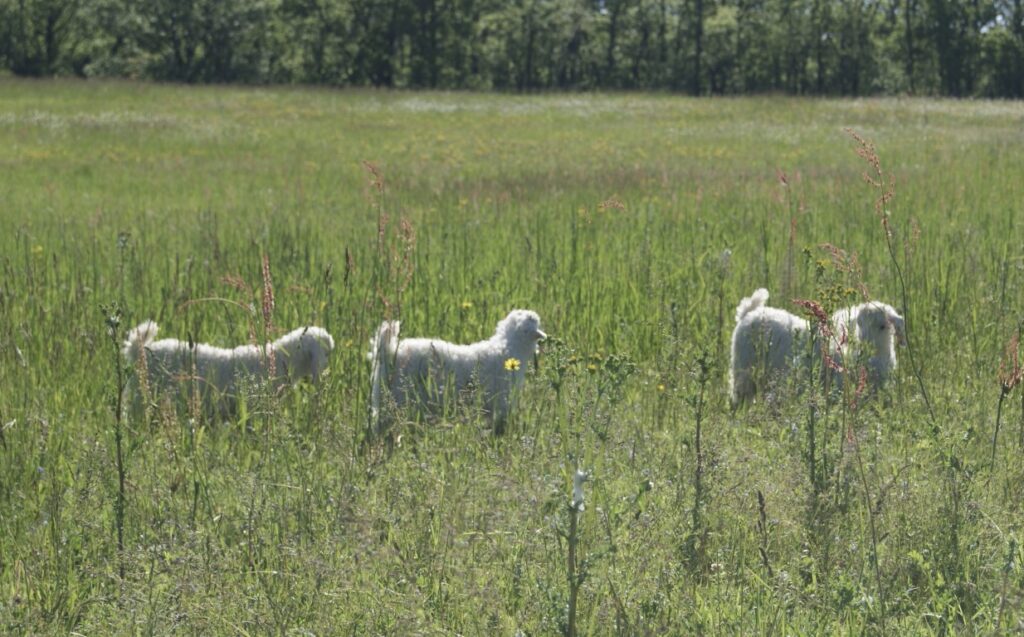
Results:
[633, 224]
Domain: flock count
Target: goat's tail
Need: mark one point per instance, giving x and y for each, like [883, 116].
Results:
[137, 339]
[383, 349]
[751, 303]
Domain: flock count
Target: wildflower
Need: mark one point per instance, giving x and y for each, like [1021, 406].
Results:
[592, 368]
[511, 364]
[577, 489]
[661, 387]
[466, 305]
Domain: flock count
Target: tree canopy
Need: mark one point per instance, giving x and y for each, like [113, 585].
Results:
[822, 47]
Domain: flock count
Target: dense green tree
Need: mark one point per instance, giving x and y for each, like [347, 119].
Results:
[319, 31]
[38, 37]
[848, 47]
[1003, 50]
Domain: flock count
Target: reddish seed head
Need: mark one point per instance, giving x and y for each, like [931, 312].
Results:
[824, 323]
[1011, 373]
[858, 391]
[814, 309]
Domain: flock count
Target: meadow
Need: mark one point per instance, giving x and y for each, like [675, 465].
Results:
[633, 224]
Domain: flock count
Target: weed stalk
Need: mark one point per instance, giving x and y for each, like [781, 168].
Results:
[113, 321]
[575, 575]
[762, 532]
[885, 184]
[695, 542]
[1011, 373]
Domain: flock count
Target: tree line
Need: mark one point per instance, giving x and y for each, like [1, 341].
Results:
[820, 47]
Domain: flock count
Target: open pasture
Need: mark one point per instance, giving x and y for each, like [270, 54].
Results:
[633, 225]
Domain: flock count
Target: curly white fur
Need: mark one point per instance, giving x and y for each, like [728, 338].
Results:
[766, 343]
[171, 363]
[870, 329]
[426, 371]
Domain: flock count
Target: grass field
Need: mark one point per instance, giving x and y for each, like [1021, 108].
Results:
[633, 224]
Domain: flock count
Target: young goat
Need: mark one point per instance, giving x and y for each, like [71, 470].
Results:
[766, 342]
[425, 371]
[217, 372]
[870, 329]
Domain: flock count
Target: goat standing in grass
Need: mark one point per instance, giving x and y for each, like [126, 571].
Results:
[768, 342]
[219, 372]
[426, 371]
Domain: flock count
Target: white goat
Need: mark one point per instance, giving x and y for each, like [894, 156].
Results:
[766, 343]
[771, 341]
[870, 329]
[217, 372]
[426, 371]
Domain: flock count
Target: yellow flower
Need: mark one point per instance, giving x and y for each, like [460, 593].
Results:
[467, 305]
[511, 364]
[592, 368]
[661, 387]
[37, 250]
